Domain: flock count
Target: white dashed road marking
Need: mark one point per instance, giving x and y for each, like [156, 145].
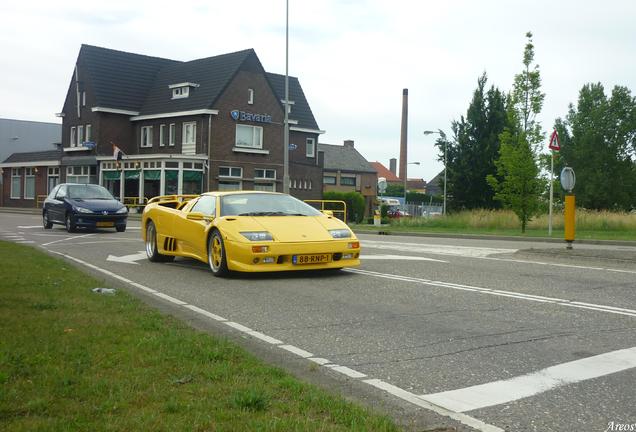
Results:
[499, 392]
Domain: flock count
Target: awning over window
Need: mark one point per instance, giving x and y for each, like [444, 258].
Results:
[152, 174]
[111, 175]
[171, 175]
[131, 175]
[192, 175]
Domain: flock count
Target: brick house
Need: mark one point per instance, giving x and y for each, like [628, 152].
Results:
[346, 170]
[183, 127]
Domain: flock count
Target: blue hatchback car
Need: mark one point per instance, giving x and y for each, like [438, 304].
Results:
[83, 205]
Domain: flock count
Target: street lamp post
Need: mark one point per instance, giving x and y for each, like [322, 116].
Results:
[442, 135]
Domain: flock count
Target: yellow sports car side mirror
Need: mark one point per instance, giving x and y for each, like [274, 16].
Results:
[196, 216]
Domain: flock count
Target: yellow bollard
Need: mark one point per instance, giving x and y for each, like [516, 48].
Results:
[569, 220]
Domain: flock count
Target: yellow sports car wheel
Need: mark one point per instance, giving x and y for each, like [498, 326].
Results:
[216, 254]
[151, 245]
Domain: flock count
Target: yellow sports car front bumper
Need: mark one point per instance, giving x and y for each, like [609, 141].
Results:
[274, 256]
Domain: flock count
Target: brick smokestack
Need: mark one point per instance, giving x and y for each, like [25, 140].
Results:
[349, 143]
[393, 165]
[403, 150]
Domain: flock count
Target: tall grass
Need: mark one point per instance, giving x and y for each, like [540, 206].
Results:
[494, 220]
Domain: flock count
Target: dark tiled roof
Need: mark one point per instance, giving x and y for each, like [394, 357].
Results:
[212, 74]
[48, 155]
[384, 172]
[120, 79]
[344, 158]
[300, 111]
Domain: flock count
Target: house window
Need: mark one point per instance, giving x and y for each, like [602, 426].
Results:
[146, 136]
[29, 183]
[310, 147]
[225, 185]
[73, 136]
[235, 172]
[83, 98]
[89, 132]
[15, 183]
[347, 181]
[81, 174]
[188, 143]
[250, 96]
[162, 135]
[264, 173]
[180, 92]
[173, 134]
[249, 136]
[53, 178]
[80, 135]
[269, 187]
[329, 180]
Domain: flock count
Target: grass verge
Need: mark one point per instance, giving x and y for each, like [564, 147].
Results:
[590, 225]
[71, 359]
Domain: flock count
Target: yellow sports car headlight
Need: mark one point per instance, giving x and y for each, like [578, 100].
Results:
[257, 235]
[340, 233]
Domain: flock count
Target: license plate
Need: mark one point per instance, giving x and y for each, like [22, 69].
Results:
[104, 224]
[311, 259]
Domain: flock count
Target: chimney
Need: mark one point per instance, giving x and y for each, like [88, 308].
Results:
[393, 165]
[348, 143]
[405, 114]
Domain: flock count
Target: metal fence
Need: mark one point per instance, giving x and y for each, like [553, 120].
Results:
[421, 210]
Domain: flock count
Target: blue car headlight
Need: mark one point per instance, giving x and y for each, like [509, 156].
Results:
[122, 210]
[257, 235]
[340, 233]
[83, 210]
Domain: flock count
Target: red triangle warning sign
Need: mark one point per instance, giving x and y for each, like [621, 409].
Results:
[555, 144]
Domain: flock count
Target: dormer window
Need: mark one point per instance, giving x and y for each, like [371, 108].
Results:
[182, 90]
[250, 96]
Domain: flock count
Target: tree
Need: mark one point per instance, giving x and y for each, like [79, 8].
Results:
[600, 146]
[471, 154]
[518, 185]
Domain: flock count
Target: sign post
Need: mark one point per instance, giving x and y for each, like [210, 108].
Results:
[568, 179]
[554, 145]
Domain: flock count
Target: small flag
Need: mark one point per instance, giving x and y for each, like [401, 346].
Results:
[117, 153]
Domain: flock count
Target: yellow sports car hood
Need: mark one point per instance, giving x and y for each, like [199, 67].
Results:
[290, 228]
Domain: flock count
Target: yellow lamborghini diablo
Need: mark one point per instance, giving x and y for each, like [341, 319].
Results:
[247, 231]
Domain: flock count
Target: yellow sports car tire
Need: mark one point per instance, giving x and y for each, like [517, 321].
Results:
[216, 254]
[151, 245]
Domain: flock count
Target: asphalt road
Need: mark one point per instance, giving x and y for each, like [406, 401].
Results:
[471, 334]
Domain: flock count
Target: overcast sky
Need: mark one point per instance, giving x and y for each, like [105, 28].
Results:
[353, 57]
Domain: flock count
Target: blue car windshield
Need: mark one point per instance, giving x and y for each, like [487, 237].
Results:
[88, 191]
[260, 204]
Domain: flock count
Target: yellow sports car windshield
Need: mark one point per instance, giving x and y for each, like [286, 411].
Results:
[258, 204]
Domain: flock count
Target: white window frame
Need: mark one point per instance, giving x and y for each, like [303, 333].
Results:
[184, 133]
[259, 144]
[264, 176]
[80, 135]
[230, 182]
[250, 96]
[89, 132]
[230, 175]
[29, 176]
[147, 143]
[172, 131]
[83, 98]
[335, 180]
[180, 92]
[162, 133]
[15, 175]
[310, 142]
[73, 137]
[265, 186]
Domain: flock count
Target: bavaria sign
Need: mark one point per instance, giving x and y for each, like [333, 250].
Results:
[247, 116]
[555, 144]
